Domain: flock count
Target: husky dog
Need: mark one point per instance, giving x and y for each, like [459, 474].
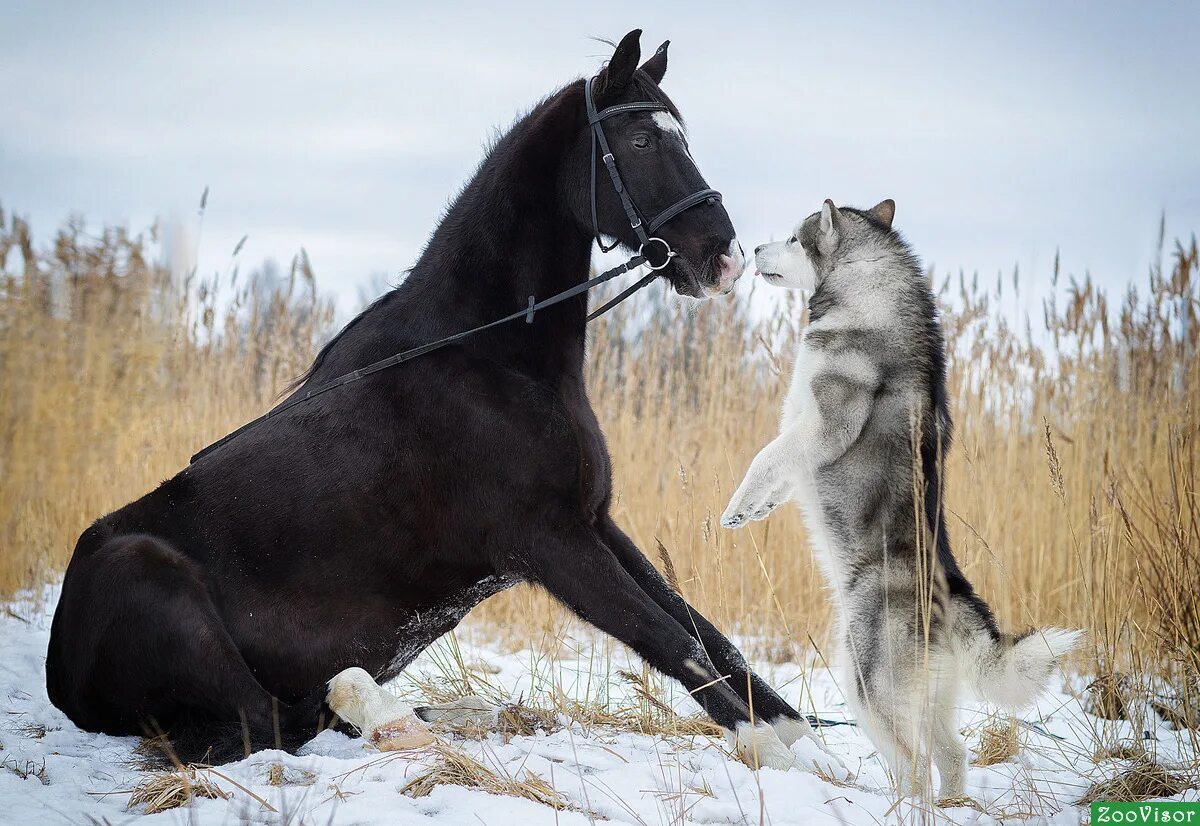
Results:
[864, 429]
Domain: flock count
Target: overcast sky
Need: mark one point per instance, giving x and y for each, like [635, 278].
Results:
[1003, 132]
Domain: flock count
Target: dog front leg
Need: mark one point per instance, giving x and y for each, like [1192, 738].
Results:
[769, 482]
[841, 406]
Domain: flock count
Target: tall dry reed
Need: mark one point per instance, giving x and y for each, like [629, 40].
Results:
[113, 372]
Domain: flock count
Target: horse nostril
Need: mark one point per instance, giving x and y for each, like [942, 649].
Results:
[759, 249]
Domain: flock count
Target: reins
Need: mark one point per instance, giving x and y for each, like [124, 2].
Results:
[654, 252]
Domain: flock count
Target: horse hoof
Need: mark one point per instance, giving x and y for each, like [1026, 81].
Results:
[379, 716]
[758, 746]
[402, 735]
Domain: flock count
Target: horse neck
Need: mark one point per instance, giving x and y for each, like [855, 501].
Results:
[509, 235]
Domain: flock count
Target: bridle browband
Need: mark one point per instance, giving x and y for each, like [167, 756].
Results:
[649, 252]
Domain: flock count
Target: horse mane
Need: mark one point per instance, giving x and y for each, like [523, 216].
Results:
[329, 345]
[496, 143]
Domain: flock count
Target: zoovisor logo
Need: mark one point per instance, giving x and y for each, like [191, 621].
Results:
[1147, 812]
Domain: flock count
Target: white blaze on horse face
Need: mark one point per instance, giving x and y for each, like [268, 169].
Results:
[668, 123]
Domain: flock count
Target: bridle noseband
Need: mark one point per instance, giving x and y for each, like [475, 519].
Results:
[650, 253]
[655, 250]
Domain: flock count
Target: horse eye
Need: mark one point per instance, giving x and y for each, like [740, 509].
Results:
[641, 141]
[792, 240]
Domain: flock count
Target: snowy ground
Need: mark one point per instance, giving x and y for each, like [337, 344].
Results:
[51, 772]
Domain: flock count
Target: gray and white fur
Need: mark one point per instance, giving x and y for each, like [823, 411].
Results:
[864, 429]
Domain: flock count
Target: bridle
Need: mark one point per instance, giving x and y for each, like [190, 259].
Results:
[653, 251]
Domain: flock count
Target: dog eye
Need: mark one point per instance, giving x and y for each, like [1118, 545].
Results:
[641, 141]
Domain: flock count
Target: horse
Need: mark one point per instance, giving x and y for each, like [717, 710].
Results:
[356, 528]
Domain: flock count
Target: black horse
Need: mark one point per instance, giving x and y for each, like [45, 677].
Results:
[355, 529]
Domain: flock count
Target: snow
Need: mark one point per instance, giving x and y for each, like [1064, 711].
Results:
[68, 776]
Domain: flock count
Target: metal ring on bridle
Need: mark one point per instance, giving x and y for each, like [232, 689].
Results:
[668, 253]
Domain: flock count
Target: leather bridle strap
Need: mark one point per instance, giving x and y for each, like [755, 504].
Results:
[624, 294]
[695, 199]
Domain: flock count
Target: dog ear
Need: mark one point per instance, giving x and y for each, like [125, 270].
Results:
[656, 66]
[616, 75]
[830, 217]
[830, 220]
[884, 211]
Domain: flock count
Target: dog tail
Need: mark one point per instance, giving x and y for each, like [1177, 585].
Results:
[1008, 670]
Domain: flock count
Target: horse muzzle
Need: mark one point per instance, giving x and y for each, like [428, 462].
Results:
[724, 269]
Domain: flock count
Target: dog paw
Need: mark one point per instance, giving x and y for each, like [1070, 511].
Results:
[913, 782]
[742, 511]
[761, 513]
[736, 517]
[755, 499]
[733, 521]
[959, 801]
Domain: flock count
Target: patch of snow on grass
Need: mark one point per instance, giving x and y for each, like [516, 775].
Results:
[50, 771]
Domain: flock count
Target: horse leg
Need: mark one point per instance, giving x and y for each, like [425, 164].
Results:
[583, 573]
[722, 654]
[138, 647]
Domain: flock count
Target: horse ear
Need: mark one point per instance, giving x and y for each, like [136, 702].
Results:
[616, 75]
[885, 211]
[656, 66]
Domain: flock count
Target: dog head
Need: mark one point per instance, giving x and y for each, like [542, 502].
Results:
[801, 261]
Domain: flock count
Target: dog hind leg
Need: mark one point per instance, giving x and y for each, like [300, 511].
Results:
[947, 748]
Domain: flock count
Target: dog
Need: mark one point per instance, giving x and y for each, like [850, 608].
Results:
[864, 430]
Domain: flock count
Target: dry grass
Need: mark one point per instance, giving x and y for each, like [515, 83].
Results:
[113, 372]
[1071, 483]
[1144, 780]
[998, 742]
[1072, 480]
[647, 713]
[163, 790]
[456, 768]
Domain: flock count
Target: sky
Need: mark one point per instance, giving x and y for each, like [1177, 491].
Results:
[1005, 132]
